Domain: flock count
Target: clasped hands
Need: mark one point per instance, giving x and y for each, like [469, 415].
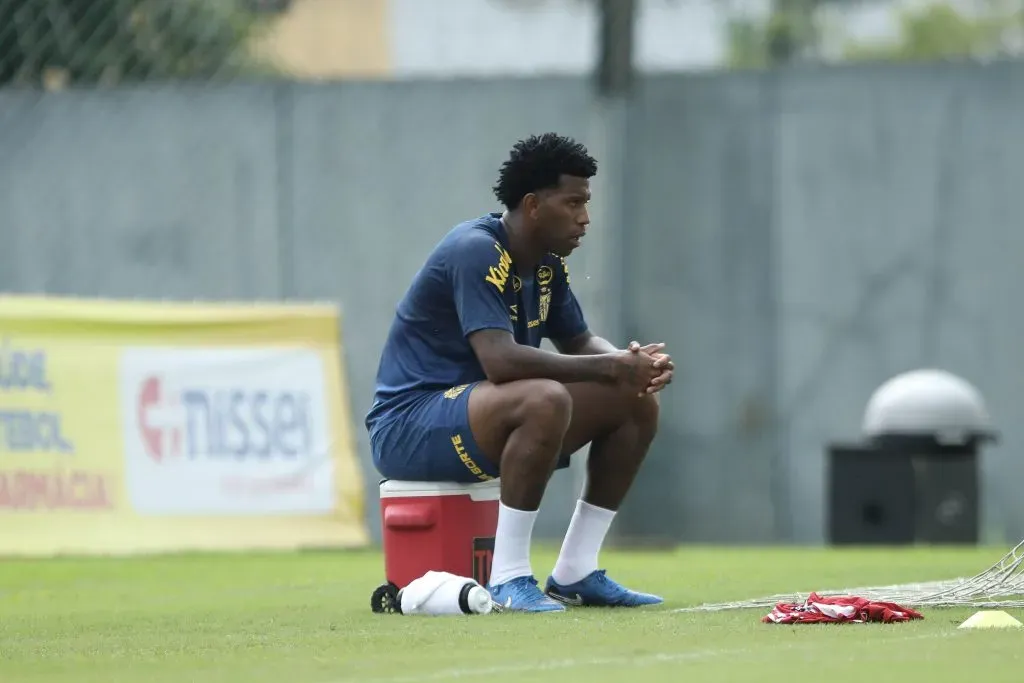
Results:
[662, 361]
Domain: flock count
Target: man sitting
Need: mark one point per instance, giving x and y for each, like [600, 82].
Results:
[465, 393]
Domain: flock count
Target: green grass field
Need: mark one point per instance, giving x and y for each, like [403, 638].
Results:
[305, 618]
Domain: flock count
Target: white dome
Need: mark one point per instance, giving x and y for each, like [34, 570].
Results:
[927, 402]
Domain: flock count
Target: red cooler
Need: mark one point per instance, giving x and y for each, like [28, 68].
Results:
[435, 526]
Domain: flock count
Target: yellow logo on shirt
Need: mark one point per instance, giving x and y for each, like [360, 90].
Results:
[498, 275]
[544, 275]
[545, 305]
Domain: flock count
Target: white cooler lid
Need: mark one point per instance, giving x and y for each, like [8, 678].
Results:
[484, 490]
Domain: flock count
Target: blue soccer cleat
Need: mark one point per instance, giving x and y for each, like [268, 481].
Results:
[522, 595]
[597, 590]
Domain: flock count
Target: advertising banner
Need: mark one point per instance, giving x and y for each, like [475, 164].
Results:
[140, 427]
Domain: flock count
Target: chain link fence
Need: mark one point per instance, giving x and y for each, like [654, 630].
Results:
[54, 43]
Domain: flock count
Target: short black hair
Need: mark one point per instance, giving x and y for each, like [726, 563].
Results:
[537, 163]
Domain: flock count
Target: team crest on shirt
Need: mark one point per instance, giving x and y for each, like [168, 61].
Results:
[545, 303]
[455, 391]
[545, 275]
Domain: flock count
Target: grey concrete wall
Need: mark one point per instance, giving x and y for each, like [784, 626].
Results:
[698, 213]
[799, 238]
[150, 193]
[898, 244]
[289, 191]
[795, 237]
[378, 173]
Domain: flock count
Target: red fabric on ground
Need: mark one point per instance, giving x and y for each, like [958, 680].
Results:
[839, 610]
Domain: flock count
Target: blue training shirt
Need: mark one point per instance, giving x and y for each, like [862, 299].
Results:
[469, 283]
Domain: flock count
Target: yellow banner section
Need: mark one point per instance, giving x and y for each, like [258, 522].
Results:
[329, 39]
[132, 427]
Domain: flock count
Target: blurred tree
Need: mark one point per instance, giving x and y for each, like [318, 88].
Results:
[112, 41]
[788, 33]
[615, 69]
[936, 30]
[940, 31]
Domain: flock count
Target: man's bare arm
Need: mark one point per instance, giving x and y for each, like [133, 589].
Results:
[585, 344]
[504, 360]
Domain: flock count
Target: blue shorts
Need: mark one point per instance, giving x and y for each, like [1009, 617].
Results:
[428, 438]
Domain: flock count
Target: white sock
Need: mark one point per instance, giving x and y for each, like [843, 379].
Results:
[512, 544]
[582, 543]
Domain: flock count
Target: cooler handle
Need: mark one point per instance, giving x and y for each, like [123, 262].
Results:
[410, 516]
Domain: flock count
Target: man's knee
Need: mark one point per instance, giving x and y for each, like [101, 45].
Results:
[646, 412]
[541, 408]
[544, 401]
[528, 422]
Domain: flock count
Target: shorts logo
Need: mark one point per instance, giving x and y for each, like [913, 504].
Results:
[467, 461]
[455, 391]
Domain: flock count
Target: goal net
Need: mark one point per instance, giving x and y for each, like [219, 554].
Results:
[1001, 585]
